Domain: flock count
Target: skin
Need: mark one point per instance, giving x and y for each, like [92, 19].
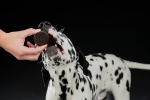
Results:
[13, 43]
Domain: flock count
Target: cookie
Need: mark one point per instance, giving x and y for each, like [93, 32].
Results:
[41, 38]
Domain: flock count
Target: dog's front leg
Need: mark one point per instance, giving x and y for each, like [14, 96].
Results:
[50, 94]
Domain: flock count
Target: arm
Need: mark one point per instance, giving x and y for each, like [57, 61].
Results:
[2, 37]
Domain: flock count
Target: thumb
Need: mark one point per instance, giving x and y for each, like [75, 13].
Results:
[30, 31]
[31, 51]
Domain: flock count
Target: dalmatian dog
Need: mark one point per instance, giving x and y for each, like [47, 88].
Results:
[70, 75]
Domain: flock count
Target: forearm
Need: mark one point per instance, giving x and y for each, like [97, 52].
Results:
[2, 35]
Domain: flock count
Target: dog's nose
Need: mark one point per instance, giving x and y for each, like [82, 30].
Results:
[44, 26]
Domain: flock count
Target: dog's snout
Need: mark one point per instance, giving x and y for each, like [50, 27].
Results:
[44, 26]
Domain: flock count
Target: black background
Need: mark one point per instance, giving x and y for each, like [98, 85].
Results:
[120, 28]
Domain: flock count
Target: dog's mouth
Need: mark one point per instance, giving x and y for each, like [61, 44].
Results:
[54, 46]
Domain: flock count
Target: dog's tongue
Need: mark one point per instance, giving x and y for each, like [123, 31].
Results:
[51, 51]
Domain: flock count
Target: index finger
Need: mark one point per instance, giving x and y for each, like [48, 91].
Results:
[30, 31]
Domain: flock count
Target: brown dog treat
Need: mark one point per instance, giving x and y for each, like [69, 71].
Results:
[41, 38]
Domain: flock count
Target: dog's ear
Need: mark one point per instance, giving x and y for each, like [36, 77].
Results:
[45, 76]
[82, 60]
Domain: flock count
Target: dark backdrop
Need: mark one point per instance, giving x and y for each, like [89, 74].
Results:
[118, 28]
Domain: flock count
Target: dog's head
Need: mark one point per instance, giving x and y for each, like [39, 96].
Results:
[61, 51]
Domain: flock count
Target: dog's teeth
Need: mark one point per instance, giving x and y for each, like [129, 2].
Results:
[56, 45]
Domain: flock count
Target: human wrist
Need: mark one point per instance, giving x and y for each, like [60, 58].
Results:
[2, 37]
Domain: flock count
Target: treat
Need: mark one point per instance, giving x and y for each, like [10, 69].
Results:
[41, 38]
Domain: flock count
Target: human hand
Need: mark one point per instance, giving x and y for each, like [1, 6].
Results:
[13, 43]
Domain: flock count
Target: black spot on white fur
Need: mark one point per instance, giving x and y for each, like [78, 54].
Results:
[67, 62]
[71, 92]
[68, 89]
[91, 59]
[101, 56]
[99, 77]
[69, 69]
[63, 94]
[112, 62]
[82, 89]
[116, 72]
[106, 64]
[74, 75]
[77, 86]
[62, 75]
[127, 85]
[101, 68]
[96, 76]
[65, 81]
[119, 68]
[73, 52]
[119, 78]
[69, 52]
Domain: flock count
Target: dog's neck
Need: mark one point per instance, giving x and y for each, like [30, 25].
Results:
[63, 76]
